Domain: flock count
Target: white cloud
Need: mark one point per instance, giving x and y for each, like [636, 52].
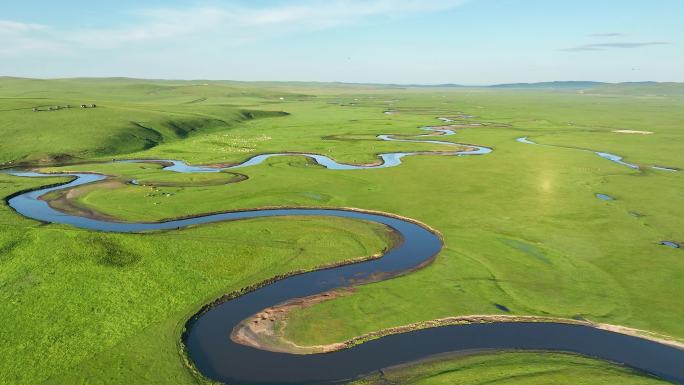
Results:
[14, 27]
[620, 45]
[17, 38]
[154, 25]
[233, 23]
[236, 22]
[339, 12]
[19, 46]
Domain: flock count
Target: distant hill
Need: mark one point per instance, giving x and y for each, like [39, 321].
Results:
[559, 85]
[565, 85]
[41, 121]
[640, 89]
[589, 87]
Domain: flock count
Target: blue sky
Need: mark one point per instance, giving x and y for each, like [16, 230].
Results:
[383, 41]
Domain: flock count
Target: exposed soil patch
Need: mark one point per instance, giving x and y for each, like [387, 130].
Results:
[264, 330]
[67, 201]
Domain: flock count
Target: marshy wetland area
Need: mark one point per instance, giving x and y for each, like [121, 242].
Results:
[201, 232]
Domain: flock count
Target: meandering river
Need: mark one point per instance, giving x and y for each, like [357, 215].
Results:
[216, 356]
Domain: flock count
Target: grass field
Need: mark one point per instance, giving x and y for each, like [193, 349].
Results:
[522, 226]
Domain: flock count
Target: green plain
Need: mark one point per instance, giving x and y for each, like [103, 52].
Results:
[522, 227]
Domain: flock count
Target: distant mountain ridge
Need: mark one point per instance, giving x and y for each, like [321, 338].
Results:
[645, 88]
[568, 84]
[572, 84]
[641, 88]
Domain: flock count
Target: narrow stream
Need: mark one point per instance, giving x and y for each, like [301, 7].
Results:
[605, 155]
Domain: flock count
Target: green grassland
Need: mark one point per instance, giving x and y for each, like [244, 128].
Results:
[134, 116]
[522, 227]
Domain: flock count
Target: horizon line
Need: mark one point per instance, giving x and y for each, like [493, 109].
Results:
[435, 85]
